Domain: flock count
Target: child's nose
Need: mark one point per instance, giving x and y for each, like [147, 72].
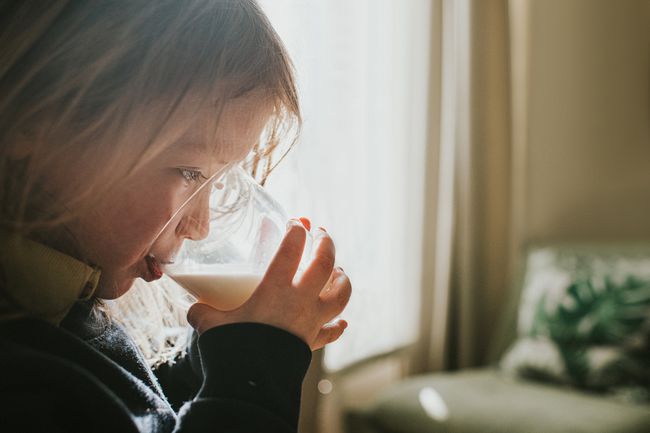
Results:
[195, 224]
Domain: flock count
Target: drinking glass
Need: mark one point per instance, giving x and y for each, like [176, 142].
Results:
[246, 226]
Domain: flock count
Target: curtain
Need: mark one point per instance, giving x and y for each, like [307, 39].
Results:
[358, 169]
[468, 242]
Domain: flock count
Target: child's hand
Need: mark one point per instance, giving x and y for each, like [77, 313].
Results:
[304, 308]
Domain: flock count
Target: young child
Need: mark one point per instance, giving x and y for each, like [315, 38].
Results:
[113, 113]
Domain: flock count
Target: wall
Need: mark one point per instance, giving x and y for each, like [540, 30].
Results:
[588, 149]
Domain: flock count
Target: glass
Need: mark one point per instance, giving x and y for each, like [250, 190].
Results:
[246, 226]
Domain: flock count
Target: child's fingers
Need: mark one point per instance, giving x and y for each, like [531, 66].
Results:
[319, 270]
[305, 222]
[203, 317]
[268, 235]
[336, 296]
[285, 263]
[329, 333]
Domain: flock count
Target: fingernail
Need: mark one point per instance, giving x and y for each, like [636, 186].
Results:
[305, 222]
[292, 222]
[322, 228]
[320, 232]
[344, 324]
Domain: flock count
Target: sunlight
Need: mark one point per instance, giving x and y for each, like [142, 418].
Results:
[433, 404]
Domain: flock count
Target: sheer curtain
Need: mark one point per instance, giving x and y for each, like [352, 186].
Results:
[358, 169]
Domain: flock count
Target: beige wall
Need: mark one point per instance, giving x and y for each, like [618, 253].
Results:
[588, 114]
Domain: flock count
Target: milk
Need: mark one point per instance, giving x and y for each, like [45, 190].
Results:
[221, 290]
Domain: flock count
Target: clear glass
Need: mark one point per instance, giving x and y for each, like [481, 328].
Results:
[246, 226]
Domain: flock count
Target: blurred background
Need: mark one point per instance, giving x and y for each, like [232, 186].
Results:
[444, 140]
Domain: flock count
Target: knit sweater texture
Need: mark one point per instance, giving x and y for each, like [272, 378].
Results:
[87, 375]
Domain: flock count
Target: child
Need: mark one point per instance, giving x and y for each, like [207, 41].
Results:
[112, 114]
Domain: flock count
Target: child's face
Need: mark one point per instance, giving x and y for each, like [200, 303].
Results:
[119, 234]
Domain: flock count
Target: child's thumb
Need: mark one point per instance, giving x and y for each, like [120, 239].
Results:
[203, 317]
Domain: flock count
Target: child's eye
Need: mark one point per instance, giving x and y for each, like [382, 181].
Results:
[191, 175]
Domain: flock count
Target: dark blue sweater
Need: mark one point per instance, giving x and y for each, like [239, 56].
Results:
[87, 375]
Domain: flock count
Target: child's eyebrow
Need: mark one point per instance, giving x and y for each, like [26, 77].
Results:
[196, 146]
[221, 153]
[192, 146]
[189, 147]
[202, 152]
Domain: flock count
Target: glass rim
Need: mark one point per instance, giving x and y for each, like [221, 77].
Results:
[209, 181]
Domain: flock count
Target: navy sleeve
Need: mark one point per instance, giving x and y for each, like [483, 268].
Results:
[181, 380]
[42, 393]
[253, 376]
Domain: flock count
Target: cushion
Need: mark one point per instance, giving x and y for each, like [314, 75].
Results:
[488, 401]
[584, 320]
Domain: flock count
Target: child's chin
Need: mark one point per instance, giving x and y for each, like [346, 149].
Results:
[114, 290]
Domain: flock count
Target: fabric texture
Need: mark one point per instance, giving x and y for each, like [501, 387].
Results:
[38, 281]
[584, 320]
[487, 401]
[88, 376]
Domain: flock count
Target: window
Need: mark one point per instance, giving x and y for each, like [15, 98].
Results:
[358, 169]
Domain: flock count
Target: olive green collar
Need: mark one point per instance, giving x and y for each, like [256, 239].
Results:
[38, 281]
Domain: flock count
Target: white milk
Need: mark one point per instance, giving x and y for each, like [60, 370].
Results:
[224, 291]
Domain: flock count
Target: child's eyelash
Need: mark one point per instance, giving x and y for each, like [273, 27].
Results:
[191, 175]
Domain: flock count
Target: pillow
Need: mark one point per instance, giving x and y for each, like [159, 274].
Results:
[584, 320]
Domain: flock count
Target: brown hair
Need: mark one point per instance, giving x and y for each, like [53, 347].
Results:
[78, 76]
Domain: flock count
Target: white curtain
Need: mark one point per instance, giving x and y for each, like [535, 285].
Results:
[358, 169]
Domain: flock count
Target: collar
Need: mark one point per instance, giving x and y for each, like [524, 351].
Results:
[38, 281]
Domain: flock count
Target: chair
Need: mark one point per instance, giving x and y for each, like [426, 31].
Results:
[488, 400]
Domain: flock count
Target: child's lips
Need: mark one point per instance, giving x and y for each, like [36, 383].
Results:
[154, 268]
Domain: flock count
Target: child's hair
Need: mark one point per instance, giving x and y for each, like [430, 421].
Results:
[78, 77]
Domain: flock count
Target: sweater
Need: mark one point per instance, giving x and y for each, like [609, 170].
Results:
[87, 375]
[65, 367]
